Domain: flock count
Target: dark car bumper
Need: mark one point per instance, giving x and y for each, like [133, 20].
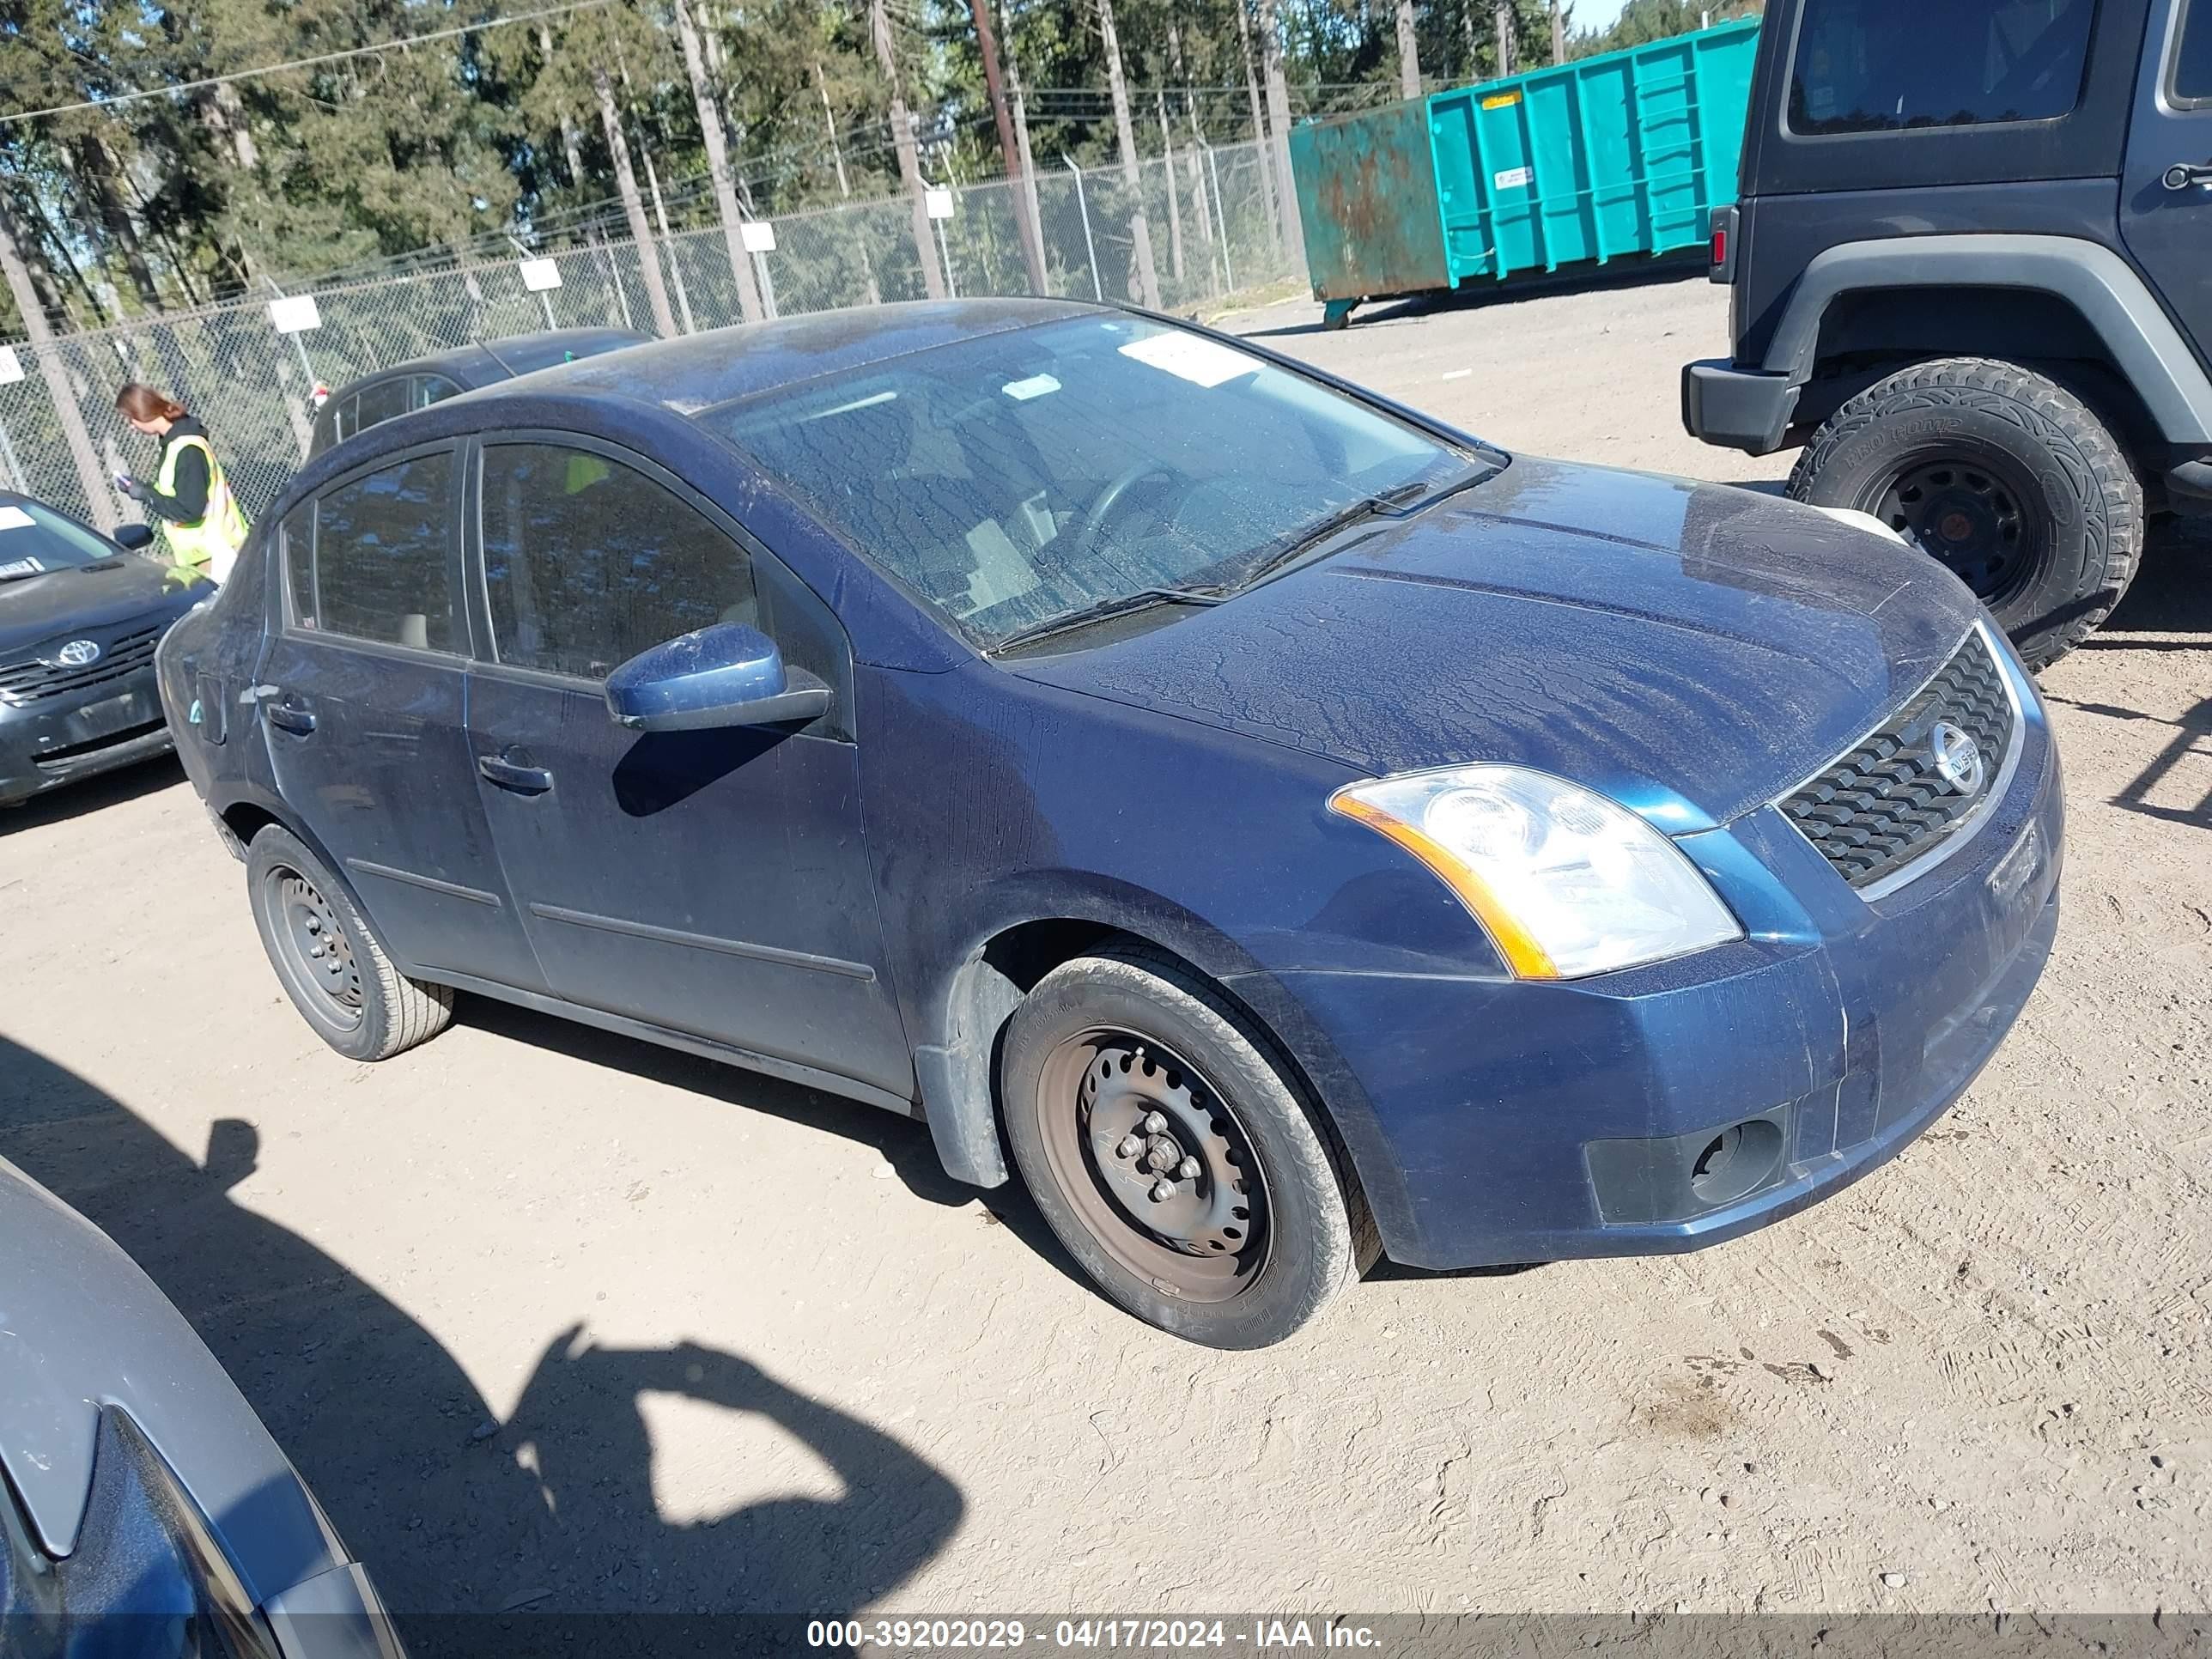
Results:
[52, 741]
[1529, 1122]
[1736, 408]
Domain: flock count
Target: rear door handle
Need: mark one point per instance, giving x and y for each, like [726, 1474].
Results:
[290, 714]
[512, 775]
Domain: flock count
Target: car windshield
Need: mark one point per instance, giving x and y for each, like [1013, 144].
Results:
[34, 539]
[1028, 475]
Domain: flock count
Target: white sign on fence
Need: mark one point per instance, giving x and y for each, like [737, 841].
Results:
[938, 201]
[759, 236]
[11, 366]
[539, 275]
[294, 315]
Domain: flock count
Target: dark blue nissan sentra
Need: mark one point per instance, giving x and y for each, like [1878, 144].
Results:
[1292, 831]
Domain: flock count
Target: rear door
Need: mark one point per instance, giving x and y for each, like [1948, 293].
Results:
[2169, 231]
[715, 883]
[362, 694]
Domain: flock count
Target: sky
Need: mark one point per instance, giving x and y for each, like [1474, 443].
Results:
[1596, 14]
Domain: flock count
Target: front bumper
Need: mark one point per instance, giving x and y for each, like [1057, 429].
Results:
[1525, 1122]
[47, 743]
[1736, 408]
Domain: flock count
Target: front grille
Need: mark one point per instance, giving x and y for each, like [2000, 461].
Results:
[22, 683]
[1885, 803]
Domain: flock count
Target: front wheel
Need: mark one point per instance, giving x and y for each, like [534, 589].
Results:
[2003, 476]
[1171, 1155]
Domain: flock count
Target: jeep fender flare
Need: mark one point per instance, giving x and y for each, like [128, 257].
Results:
[2111, 298]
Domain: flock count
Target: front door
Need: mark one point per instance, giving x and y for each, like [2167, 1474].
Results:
[2168, 227]
[713, 883]
[361, 693]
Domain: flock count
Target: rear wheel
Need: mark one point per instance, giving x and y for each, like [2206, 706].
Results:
[2003, 476]
[328, 959]
[1171, 1156]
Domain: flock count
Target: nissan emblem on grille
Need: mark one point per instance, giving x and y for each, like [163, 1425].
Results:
[1957, 757]
[77, 653]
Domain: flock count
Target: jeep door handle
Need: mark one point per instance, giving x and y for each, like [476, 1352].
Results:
[512, 775]
[2182, 175]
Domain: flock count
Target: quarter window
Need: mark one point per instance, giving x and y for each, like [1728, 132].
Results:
[381, 569]
[1881, 65]
[300, 560]
[433, 389]
[588, 561]
[2192, 57]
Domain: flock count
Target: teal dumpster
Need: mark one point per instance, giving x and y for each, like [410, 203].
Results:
[1607, 157]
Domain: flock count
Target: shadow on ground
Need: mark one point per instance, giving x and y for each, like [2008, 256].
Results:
[1412, 308]
[455, 1511]
[78, 799]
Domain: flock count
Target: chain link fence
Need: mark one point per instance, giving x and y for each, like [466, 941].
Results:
[1212, 219]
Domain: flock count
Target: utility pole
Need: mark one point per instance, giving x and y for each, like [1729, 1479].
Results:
[1124, 132]
[1559, 34]
[1279, 115]
[830, 126]
[1195, 152]
[879, 26]
[641, 234]
[1175, 202]
[1504, 14]
[660, 215]
[1409, 53]
[1032, 249]
[718, 163]
[1029, 162]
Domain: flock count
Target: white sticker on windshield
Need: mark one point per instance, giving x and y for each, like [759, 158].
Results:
[14, 518]
[1191, 357]
[21, 567]
[1035, 386]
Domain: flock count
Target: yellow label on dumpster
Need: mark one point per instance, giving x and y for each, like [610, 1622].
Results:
[1501, 101]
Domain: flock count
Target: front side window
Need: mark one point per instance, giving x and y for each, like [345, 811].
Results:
[381, 569]
[1881, 65]
[2191, 85]
[588, 561]
[1019, 477]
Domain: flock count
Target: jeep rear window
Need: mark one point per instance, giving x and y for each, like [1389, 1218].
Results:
[1883, 65]
[2192, 57]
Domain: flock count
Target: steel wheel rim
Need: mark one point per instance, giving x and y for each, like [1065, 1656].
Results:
[317, 955]
[1206, 1238]
[1973, 514]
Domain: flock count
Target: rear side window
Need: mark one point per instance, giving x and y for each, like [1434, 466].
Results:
[381, 569]
[433, 389]
[2192, 58]
[588, 562]
[300, 561]
[1882, 66]
[382, 402]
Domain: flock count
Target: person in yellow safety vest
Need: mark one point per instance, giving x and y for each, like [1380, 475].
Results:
[200, 522]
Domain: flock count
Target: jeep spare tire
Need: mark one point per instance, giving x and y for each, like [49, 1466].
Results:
[2005, 476]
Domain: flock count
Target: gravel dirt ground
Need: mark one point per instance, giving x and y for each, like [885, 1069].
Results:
[552, 1320]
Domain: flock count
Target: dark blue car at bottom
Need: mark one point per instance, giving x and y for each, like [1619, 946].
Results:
[1283, 828]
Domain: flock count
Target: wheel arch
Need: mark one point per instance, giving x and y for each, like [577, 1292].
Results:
[965, 1016]
[1842, 305]
[246, 812]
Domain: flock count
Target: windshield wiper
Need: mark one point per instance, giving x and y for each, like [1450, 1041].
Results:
[1403, 501]
[1118, 605]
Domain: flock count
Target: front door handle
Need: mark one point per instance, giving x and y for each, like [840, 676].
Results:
[2182, 175]
[290, 714]
[512, 775]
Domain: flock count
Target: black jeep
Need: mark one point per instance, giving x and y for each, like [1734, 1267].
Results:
[1972, 263]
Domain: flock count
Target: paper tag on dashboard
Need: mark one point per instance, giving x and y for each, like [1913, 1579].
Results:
[14, 518]
[1191, 357]
[21, 567]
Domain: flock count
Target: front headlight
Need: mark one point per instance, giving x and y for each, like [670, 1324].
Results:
[1566, 882]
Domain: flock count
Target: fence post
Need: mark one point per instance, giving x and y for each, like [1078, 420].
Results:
[1221, 215]
[1090, 248]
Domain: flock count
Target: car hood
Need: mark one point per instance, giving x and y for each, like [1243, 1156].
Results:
[81, 1328]
[45, 610]
[1690, 649]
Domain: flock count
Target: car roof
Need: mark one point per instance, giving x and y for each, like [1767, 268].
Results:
[698, 371]
[493, 360]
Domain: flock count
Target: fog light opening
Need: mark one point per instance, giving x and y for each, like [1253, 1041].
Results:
[1738, 1160]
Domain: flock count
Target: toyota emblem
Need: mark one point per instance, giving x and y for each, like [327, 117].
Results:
[77, 653]
[1957, 756]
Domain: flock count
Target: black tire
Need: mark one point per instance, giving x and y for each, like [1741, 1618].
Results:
[329, 960]
[1299, 1232]
[2004, 476]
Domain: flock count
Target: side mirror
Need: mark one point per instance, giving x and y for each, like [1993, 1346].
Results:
[725, 675]
[133, 537]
